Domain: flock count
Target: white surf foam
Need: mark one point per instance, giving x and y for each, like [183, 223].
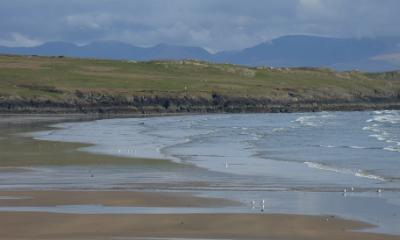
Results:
[327, 146]
[392, 149]
[280, 129]
[392, 117]
[307, 121]
[358, 173]
[344, 146]
[356, 147]
[313, 120]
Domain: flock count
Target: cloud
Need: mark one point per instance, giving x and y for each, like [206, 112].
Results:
[213, 24]
[312, 4]
[86, 21]
[312, 8]
[19, 40]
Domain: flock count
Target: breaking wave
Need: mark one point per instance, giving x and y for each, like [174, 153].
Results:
[349, 147]
[383, 128]
[358, 173]
[313, 120]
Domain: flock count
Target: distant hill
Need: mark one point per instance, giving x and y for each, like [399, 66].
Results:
[309, 51]
[111, 50]
[366, 54]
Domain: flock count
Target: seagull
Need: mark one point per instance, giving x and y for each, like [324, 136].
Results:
[262, 205]
[253, 204]
[352, 189]
[345, 192]
[226, 164]
[379, 191]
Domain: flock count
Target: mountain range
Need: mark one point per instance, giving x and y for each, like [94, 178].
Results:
[365, 54]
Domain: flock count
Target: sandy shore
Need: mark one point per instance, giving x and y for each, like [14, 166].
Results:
[37, 225]
[109, 198]
[23, 119]
[18, 226]
[48, 153]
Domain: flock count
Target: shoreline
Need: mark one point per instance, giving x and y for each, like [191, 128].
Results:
[36, 152]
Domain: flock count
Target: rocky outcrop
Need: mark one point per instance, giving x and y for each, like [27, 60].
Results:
[80, 102]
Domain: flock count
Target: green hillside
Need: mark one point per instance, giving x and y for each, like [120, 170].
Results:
[31, 82]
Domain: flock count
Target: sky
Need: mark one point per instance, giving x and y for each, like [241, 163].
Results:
[213, 24]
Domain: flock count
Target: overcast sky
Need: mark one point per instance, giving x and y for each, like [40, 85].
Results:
[212, 24]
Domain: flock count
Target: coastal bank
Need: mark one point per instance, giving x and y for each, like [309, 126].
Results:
[33, 84]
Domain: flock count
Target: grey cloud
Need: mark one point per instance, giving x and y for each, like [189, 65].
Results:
[15, 39]
[214, 24]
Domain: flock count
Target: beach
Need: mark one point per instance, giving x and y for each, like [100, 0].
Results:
[63, 189]
[42, 225]
[184, 226]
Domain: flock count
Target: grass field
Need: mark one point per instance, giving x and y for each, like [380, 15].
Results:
[58, 78]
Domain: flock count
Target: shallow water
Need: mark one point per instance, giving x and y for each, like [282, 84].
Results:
[340, 149]
[298, 162]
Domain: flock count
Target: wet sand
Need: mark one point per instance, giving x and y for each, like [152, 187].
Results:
[18, 151]
[109, 198]
[40, 225]
[19, 226]
[24, 119]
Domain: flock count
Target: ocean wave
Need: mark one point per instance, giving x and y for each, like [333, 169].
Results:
[357, 147]
[280, 129]
[386, 117]
[313, 120]
[386, 138]
[380, 137]
[378, 112]
[372, 128]
[345, 146]
[358, 173]
[383, 129]
[327, 146]
[392, 149]
[307, 121]
[384, 112]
